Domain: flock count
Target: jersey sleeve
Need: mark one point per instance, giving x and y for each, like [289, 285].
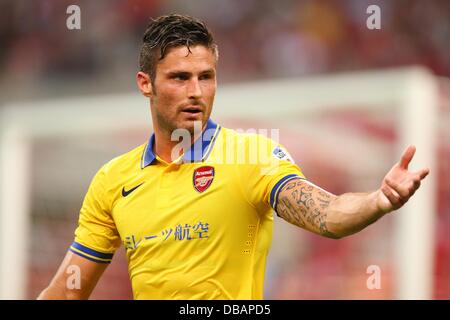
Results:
[96, 237]
[273, 169]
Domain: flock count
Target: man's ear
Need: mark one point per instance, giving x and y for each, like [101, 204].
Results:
[144, 83]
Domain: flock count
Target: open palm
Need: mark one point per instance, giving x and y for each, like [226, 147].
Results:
[399, 184]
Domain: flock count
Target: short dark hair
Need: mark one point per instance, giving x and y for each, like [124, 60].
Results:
[168, 32]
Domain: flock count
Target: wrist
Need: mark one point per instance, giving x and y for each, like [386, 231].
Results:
[382, 204]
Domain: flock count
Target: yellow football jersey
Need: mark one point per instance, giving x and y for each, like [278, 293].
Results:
[197, 228]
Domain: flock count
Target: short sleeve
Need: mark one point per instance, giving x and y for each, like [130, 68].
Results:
[273, 169]
[96, 237]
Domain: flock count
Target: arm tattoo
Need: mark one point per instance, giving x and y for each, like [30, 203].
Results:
[304, 205]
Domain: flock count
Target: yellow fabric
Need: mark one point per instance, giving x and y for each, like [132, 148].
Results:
[181, 243]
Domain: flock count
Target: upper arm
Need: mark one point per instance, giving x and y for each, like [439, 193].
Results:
[75, 279]
[97, 234]
[305, 205]
[96, 239]
[265, 177]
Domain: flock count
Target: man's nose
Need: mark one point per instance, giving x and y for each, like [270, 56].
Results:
[194, 89]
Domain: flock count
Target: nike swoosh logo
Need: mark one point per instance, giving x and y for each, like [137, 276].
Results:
[127, 192]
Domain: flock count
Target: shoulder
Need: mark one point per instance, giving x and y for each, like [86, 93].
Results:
[124, 163]
[263, 143]
[248, 137]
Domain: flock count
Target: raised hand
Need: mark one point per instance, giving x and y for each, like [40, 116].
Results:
[399, 184]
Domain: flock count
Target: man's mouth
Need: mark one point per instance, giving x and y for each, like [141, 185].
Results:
[192, 110]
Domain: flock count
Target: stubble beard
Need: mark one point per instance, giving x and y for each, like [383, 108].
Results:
[169, 127]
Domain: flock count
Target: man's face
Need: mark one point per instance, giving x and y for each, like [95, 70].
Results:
[184, 88]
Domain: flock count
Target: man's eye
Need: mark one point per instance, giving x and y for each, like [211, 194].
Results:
[180, 77]
[205, 77]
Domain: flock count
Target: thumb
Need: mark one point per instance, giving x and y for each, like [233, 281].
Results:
[407, 156]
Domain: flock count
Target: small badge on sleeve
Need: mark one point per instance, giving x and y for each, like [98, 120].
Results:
[282, 154]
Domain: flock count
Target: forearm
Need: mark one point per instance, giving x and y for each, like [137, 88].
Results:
[312, 208]
[71, 283]
[351, 212]
[308, 206]
[60, 292]
[52, 294]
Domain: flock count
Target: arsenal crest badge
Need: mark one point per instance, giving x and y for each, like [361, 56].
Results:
[203, 177]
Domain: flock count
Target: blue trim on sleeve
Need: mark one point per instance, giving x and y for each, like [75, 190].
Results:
[89, 258]
[278, 186]
[92, 252]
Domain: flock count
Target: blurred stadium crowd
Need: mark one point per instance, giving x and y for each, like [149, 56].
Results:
[257, 38]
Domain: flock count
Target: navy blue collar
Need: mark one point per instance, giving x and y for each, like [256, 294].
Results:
[198, 151]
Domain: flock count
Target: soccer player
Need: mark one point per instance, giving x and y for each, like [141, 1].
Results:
[196, 219]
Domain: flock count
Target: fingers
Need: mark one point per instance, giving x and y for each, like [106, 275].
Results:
[404, 191]
[407, 156]
[416, 186]
[423, 173]
[399, 193]
[392, 196]
[399, 184]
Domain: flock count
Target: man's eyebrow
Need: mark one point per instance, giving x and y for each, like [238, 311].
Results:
[181, 72]
[178, 72]
[207, 71]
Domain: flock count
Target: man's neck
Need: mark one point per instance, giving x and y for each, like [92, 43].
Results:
[164, 145]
